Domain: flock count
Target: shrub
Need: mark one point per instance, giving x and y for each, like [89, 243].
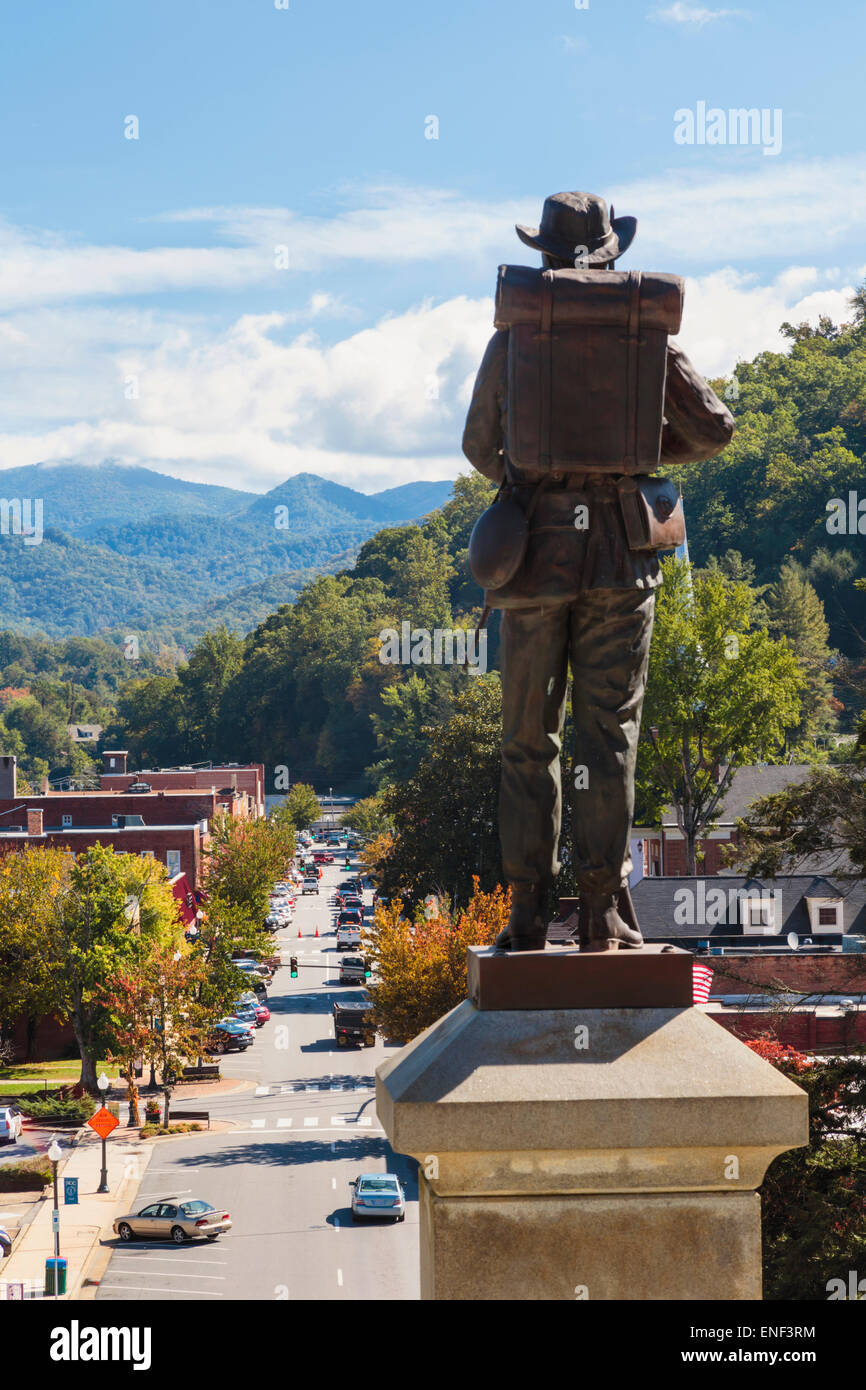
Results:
[29, 1173]
[148, 1131]
[52, 1107]
[813, 1200]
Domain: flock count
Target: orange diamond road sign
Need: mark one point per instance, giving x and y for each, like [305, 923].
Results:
[103, 1122]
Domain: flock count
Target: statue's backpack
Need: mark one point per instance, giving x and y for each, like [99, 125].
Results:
[587, 353]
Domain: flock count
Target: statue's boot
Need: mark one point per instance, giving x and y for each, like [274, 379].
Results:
[602, 924]
[526, 929]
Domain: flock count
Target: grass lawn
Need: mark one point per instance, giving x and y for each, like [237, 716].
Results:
[28, 1076]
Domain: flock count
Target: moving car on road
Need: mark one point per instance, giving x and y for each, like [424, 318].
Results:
[311, 883]
[348, 936]
[174, 1220]
[353, 1023]
[323, 856]
[378, 1194]
[353, 971]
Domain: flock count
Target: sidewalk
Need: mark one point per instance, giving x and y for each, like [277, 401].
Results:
[81, 1226]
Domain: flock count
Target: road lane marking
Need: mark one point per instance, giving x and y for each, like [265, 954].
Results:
[257, 1124]
[311, 1120]
[218, 1278]
[366, 1121]
[340, 1277]
[163, 1259]
[263, 1090]
[148, 1288]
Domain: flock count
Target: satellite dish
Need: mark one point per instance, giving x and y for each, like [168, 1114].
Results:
[793, 940]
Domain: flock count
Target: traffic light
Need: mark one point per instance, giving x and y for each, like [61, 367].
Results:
[293, 967]
[368, 969]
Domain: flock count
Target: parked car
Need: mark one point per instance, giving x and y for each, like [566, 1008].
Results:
[323, 856]
[5, 1242]
[10, 1123]
[352, 970]
[229, 1036]
[139, 788]
[174, 1220]
[245, 1013]
[353, 1023]
[263, 1013]
[253, 967]
[378, 1194]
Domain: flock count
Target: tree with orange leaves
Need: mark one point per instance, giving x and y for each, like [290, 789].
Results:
[420, 966]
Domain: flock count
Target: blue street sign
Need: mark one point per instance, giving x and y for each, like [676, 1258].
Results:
[70, 1191]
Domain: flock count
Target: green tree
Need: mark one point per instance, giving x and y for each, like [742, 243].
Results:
[300, 808]
[795, 612]
[108, 904]
[244, 860]
[368, 817]
[445, 815]
[719, 694]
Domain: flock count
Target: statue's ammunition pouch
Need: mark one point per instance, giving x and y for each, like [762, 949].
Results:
[652, 513]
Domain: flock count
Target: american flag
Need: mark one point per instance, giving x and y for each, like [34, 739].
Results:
[702, 978]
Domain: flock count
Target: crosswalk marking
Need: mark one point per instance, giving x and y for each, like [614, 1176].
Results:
[311, 1120]
[257, 1124]
[285, 1124]
[263, 1090]
[365, 1120]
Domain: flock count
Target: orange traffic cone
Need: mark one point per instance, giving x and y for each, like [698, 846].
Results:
[299, 931]
[317, 931]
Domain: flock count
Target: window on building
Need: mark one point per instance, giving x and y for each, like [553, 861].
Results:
[66, 820]
[147, 854]
[758, 916]
[172, 862]
[825, 914]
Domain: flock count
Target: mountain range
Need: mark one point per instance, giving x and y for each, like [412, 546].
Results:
[127, 548]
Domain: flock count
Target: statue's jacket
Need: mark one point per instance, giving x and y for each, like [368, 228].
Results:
[562, 557]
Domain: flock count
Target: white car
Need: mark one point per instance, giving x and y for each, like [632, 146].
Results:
[378, 1195]
[10, 1123]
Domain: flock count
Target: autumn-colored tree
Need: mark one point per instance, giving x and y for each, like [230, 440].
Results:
[420, 966]
[813, 1206]
[128, 1002]
[173, 979]
[244, 860]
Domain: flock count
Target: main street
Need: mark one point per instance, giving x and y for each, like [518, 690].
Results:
[304, 1128]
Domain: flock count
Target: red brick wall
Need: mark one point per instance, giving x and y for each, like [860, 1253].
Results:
[802, 1030]
[674, 864]
[836, 974]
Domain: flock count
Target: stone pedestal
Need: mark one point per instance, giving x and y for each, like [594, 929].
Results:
[586, 1152]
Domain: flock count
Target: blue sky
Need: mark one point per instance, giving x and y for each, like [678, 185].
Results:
[144, 318]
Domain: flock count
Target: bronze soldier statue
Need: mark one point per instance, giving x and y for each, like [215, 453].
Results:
[579, 397]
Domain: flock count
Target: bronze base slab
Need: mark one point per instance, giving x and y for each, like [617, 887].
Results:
[646, 978]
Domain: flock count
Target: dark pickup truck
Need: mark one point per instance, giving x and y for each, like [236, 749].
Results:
[353, 1025]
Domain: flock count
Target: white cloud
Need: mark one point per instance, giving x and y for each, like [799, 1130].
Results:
[251, 404]
[694, 16]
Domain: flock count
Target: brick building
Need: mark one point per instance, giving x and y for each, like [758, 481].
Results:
[171, 825]
[229, 781]
[661, 849]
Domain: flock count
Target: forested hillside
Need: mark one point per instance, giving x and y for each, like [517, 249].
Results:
[133, 550]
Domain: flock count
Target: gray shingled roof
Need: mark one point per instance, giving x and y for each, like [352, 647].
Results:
[657, 905]
[748, 784]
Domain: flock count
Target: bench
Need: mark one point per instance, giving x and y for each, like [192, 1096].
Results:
[208, 1072]
[189, 1115]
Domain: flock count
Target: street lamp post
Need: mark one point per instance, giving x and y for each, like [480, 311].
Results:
[55, 1153]
[103, 1084]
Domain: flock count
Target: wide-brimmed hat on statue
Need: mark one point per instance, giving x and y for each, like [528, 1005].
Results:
[576, 227]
